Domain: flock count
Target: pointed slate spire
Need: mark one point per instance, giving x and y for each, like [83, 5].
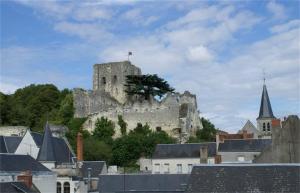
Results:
[265, 105]
[46, 152]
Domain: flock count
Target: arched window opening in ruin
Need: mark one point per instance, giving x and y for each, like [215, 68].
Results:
[58, 187]
[158, 128]
[115, 79]
[66, 187]
[268, 127]
[103, 80]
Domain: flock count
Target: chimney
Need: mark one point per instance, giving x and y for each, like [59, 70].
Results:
[79, 147]
[203, 154]
[275, 123]
[25, 177]
[218, 159]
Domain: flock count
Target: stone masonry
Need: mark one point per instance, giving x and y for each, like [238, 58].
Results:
[108, 99]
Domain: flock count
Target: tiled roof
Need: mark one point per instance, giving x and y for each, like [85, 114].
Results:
[96, 168]
[189, 150]
[139, 183]
[244, 178]
[15, 162]
[3, 148]
[244, 145]
[265, 110]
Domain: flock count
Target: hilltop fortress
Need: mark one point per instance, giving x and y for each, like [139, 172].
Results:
[175, 112]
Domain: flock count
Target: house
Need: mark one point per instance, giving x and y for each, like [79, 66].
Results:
[246, 178]
[241, 150]
[142, 183]
[13, 166]
[180, 158]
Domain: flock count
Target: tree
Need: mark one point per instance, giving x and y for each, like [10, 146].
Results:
[208, 133]
[146, 86]
[104, 129]
[122, 124]
[96, 150]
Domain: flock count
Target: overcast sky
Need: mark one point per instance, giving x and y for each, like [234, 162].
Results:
[215, 49]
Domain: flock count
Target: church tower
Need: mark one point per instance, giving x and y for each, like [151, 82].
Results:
[264, 120]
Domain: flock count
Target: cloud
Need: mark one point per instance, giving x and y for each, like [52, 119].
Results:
[90, 32]
[286, 26]
[199, 54]
[277, 10]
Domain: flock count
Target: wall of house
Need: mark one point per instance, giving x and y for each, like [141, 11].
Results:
[75, 185]
[232, 157]
[27, 146]
[13, 130]
[173, 162]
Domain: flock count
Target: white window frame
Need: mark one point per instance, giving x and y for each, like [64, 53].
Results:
[157, 168]
[179, 168]
[190, 167]
[166, 168]
[241, 158]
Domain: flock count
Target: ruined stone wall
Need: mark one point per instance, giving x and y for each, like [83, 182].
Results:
[166, 115]
[285, 146]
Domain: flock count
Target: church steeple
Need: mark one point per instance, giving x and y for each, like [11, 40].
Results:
[265, 117]
[265, 110]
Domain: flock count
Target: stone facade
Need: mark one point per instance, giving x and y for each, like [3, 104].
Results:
[108, 99]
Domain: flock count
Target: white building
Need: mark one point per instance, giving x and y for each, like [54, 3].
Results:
[180, 158]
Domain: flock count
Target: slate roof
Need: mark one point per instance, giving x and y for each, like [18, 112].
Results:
[12, 143]
[15, 163]
[52, 148]
[15, 187]
[46, 152]
[189, 150]
[96, 168]
[244, 145]
[143, 183]
[265, 110]
[248, 178]
[3, 148]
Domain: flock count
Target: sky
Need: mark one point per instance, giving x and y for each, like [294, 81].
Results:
[217, 50]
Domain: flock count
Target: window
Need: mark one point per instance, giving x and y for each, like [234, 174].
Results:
[268, 127]
[190, 167]
[179, 168]
[166, 168]
[157, 168]
[264, 126]
[66, 187]
[58, 187]
[241, 158]
[115, 79]
[103, 80]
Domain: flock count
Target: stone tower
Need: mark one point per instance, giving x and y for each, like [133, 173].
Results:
[264, 120]
[111, 77]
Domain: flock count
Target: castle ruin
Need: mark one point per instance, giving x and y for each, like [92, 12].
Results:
[175, 114]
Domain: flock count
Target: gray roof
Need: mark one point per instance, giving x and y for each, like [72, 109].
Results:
[143, 183]
[189, 150]
[249, 127]
[96, 168]
[12, 143]
[244, 145]
[3, 148]
[265, 110]
[9, 144]
[15, 163]
[46, 152]
[61, 152]
[15, 187]
[244, 178]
